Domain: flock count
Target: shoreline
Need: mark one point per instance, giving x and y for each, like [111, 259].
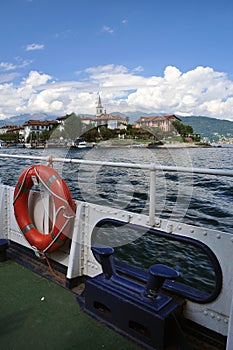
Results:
[127, 144]
[185, 145]
[149, 145]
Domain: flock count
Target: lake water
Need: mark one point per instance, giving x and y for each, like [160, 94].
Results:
[207, 199]
[196, 199]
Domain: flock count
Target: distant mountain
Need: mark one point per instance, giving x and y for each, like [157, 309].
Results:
[213, 129]
[22, 118]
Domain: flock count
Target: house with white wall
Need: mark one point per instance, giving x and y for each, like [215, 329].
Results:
[103, 119]
[37, 126]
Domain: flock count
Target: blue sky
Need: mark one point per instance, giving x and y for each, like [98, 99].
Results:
[152, 56]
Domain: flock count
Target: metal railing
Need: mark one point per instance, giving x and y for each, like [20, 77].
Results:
[151, 167]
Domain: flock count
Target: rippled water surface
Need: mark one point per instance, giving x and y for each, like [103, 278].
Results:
[206, 200]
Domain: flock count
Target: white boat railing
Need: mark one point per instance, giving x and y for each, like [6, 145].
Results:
[151, 167]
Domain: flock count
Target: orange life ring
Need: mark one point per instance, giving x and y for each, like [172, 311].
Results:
[62, 202]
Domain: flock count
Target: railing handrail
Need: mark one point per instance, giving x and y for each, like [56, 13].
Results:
[144, 166]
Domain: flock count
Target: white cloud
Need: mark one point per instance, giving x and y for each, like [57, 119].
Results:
[36, 79]
[24, 63]
[109, 68]
[172, 74]
[138, 69]
[9, 100]
[8, 77]
[201, 91]
[7, 66]
[107, 29]
[33, 47]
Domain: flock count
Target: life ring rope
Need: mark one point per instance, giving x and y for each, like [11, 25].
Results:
[48, 188]
[22, 184]
[68, 218]
[56, 237]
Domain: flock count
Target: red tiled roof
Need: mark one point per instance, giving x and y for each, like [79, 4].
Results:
[40, 122]
[110, 117]
[8, 127]
[88, 118]
[155, 118]
[62, 118]
[106, 117]
[15, 128]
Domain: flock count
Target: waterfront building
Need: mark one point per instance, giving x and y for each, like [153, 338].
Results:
[103, 119]
[37, 126]
[163, 122]
[7, 128]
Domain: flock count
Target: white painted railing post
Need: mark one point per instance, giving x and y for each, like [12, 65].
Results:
[49, 215]
[152, 197]
[230, 329]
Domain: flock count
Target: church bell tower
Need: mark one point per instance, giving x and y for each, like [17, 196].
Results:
[99, 108]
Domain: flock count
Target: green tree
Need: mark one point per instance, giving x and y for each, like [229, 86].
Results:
[106, 133]
[44, 135]
[10, 137]
[182, 129]
[91, 135]
[131, 132]
[33, 136]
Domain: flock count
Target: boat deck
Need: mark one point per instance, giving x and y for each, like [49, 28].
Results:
[36, 312]
[39, 314]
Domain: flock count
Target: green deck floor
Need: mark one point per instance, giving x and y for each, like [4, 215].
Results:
[36, 313]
